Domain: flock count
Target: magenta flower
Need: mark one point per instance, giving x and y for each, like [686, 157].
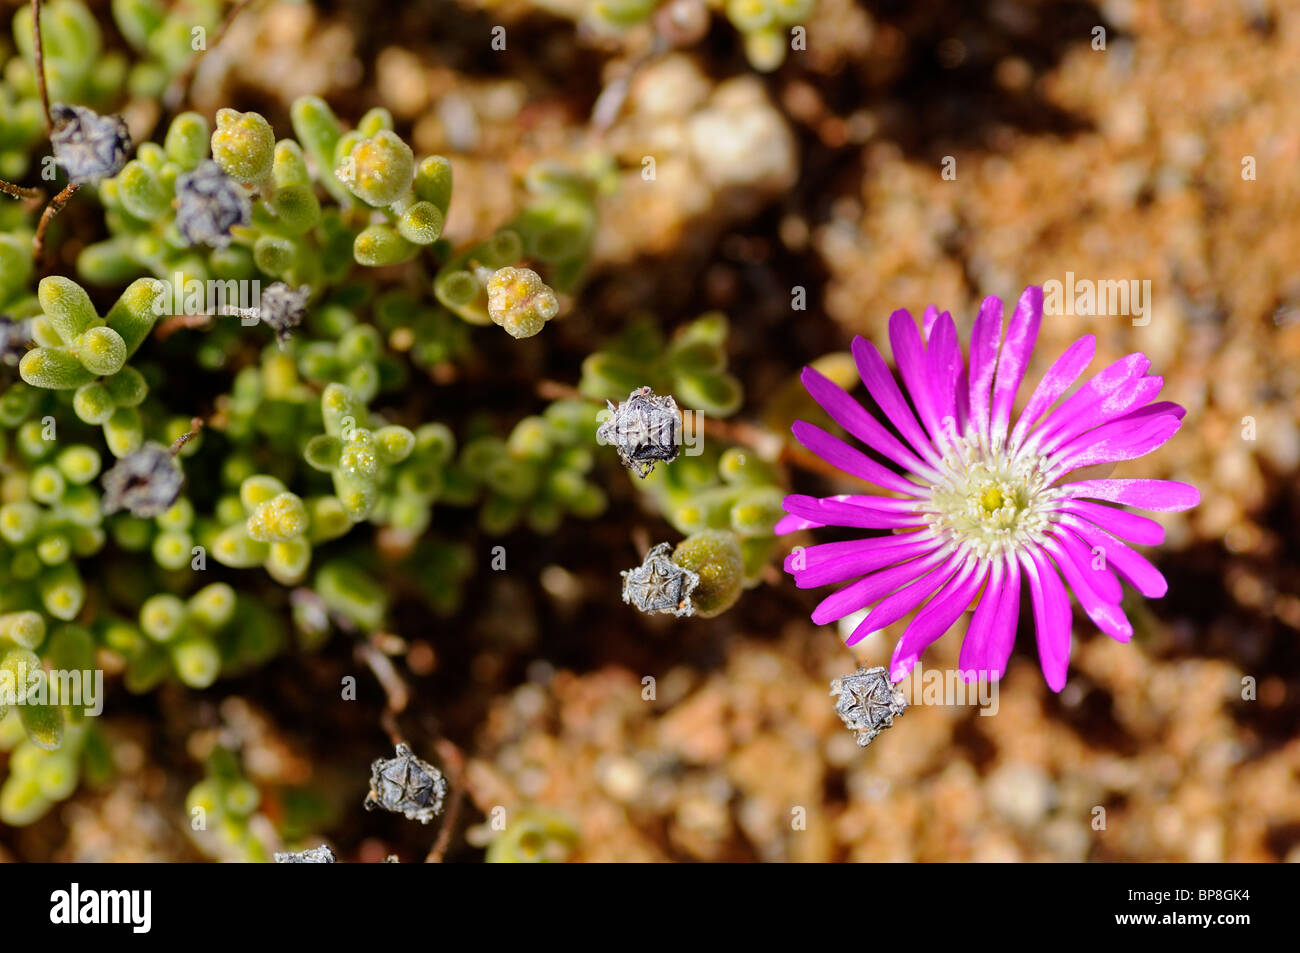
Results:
[980, 509]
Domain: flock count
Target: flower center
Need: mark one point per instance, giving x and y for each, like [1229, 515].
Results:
[988, 502]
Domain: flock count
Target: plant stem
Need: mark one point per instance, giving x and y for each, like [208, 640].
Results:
[38, 54]
[51, 210]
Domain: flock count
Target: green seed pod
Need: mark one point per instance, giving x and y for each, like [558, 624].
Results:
[765, 49]
[242, 798]
[18, 521]
[134, 315]
[171, 549]
[178, 516]
[289, 167]
[433, 181]
[162, 616]
[275, 254]
[348, 591]
[297, 208]
[323, 451]
[124, 431]
[234, 548]
[393, 444]
[213, 605]
[328, 519]
[258, 489]
[21, 800]
[243, 145]
[422, 223]
[341, 410]
[80, 505]
[79, 464]
[109, 262]
[280, 518]
[93, 403]
[67, 306]
[457, 289]
[499, 515]
[127, 387]
[62, 592]
[25, 629]
[715, 555]
[197, 661]
[378, 170]
[53, 368]
[58, 775]
[719, 395]
[757, 512]
[141, 193]
[101, 351]
[750, 15]
[380, 245]
[53, 549]
[186, 143]
[287, 560]
[46, 485]
[87, 540]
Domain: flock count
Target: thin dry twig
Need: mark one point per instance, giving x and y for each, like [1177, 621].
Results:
[453, 763]
[396, 694]
[54, 208]
[38, 54]
[20, 191]
[196, 425]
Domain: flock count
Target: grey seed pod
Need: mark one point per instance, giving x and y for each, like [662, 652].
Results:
[659, 584]
[209, 204]
[14, 338]
[645, 428]
[282, 308]
[87, 145]
[312, 855]
[406, 785]
[867, 702]
[146, 482]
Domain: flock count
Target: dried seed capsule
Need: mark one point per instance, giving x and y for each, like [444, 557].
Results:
[146, 482]
[87, 145]
[209, 204]
[312, 855]
[406, 785]
[867, 702]
[645, 428]
[659, 584]
[282, 308]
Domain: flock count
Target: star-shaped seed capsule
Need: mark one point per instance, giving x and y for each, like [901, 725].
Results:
[312, 855]
[89, 146]
[645, 428]
[146, 482]
[867, 702]
[659, 584]
[406, 785]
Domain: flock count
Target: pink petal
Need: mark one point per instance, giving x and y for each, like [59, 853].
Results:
[1052, 622]
[936, 618]
[1059, 378]
[853, 417]
[1114, 442]
[863, 592]
[943, 370]
[1108, 381]
[1129, 563]
[1099, 578]
[895, 606]
[885, 392]
[984, 340]
[792, 524]
[1125, 404]
[853, 462]
[909, 355]
[850, 564]
[1122, 523]
[1107, 616]
[835, 512]
[1159, 496]
[1014, 358]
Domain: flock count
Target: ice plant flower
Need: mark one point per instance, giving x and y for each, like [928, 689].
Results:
[983, 508]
